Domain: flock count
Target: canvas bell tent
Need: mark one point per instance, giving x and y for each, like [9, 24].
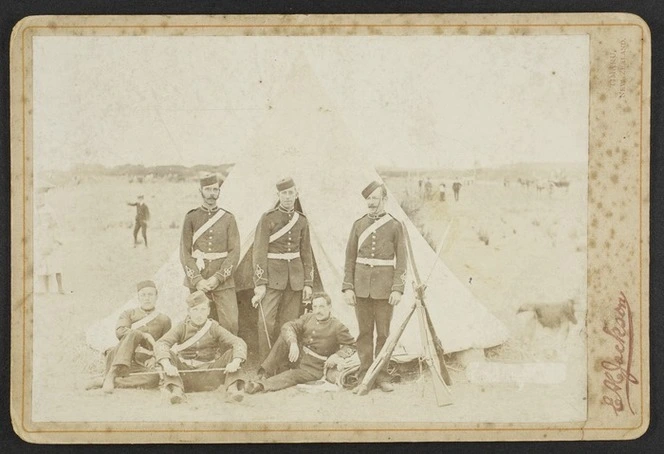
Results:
[303, 136]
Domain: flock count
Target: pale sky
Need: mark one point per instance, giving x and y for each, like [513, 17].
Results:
[405, 101]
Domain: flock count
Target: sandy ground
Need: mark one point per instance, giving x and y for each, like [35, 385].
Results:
[536, 253]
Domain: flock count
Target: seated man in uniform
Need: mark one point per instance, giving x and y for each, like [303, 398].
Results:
[197, 344]
[137, 329]
[306, 348]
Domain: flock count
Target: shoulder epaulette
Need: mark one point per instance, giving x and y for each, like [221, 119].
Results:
[192, 210]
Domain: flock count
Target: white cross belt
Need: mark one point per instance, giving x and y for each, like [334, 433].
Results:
[310, 352]
[375, 262]
[283, 256]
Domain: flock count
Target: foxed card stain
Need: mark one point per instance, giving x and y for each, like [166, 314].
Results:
[618, 371]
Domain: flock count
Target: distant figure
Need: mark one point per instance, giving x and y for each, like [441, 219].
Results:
[428, 189]
[456, 187]
[441, 190]
[48, 256]
[142, 218]
[420, 186]
[506, 182]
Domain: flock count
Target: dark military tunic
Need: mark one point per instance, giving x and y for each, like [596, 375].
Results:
[142, 211]
[222, 237]
[285, 266]
[142, 218]
[133, 351]
[317, 340]
[278, 273]
[373, 271]
[324, 337]
[203, 259]
[387, 243]
[215, 349]
[156, 327]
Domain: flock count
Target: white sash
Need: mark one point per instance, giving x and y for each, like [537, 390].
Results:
[177, 348]
[210, 222]
[145, 320]
[372, 228]
[282, 231]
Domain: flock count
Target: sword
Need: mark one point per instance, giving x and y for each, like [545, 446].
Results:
[267, 333]
[191, 371]
[259, 302]
[152, 372]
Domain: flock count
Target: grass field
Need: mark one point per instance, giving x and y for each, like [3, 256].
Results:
[509, 245]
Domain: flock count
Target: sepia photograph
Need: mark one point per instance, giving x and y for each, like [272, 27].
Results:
[298, 228]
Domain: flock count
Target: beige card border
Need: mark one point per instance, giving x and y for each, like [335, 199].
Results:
[620, 54]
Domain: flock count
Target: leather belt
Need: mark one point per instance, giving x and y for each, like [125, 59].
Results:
[310, 352]
[376, 262]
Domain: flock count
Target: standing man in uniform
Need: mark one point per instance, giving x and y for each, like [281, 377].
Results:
[142, 218]
[456, 187]
[375, 275]
[428, 189]
[283, 266]
[138, 329]
[198, 344]
[306, 348]
[210, 252]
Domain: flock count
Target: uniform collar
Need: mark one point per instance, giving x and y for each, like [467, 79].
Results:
[146, 312]
[209, 210]
[377, 216]
[191, 323]
[284, 210]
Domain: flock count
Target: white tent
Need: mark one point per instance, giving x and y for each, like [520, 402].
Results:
[303, 136]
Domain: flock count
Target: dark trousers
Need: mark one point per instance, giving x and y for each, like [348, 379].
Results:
[279, 307]
[286, 374]
[225, 303]
[124, 357]
[370, 313]
[143, 227]
[203, 381]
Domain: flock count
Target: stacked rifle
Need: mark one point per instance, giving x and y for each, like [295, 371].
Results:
[430, 341]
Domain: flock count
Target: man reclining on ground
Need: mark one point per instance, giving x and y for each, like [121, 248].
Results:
[306, 348]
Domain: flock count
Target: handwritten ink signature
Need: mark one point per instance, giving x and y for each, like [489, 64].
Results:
[617, 371]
